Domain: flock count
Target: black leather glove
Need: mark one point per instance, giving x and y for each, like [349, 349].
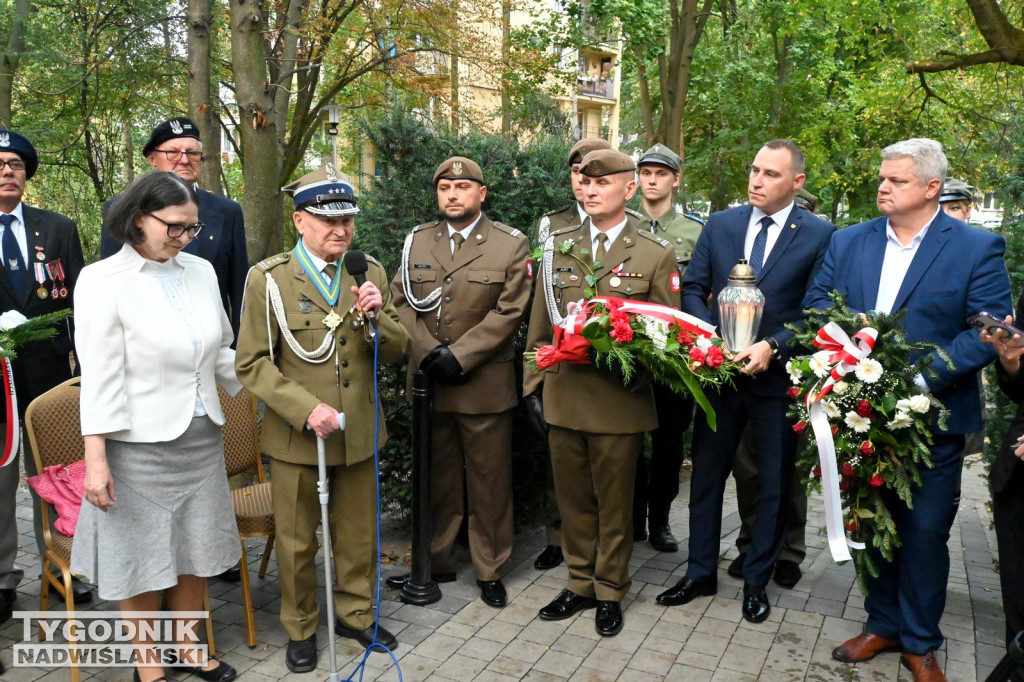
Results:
[535, 413]
[443, 367]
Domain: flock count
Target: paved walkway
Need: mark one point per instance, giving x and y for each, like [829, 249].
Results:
[460, 638]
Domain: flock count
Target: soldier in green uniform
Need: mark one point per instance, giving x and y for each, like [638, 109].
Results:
[658, 484]
[596, 424]
[556, 221]
[305, 348]
[461, 292]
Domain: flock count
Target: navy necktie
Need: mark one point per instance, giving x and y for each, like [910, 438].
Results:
[14, 264]
[760, 243]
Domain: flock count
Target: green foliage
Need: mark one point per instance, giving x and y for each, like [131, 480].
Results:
[523, 182]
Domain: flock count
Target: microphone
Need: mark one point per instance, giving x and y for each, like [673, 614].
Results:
[355, 265]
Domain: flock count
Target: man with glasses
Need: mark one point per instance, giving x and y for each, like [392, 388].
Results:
[174, 146]
[42, 257]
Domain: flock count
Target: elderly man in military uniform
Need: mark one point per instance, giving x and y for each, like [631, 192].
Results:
[596, 423]
[306, 348]
[555, 221]
[461, 292]
[658, 484]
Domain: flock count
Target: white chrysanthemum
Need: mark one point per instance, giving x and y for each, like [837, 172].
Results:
[920, 404]
[831, 411]
[795, 375]
[656, 330]
[869, 370]
[901, 421]
[819, 363]
[841, 387]
[858, 423]
[703, 343]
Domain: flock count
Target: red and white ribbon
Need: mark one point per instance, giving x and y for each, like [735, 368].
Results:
[846, 354]
[13, 428]
[659, 312]
[575, 317]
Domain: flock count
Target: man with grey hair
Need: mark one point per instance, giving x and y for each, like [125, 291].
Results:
[940, 271]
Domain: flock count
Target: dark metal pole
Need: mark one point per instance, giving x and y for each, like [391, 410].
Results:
[420, 589]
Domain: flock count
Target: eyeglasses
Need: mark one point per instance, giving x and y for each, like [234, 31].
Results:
[13, 164]
[175, 230]
[175, 155]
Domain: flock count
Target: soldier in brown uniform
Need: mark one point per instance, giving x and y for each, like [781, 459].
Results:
[596, 424]
[461, 292]
[308, 354]
[556, 221]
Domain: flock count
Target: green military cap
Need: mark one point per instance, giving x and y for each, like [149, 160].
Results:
[806, 200]
[663, 156]
[458, 168]
[584, 147]
[956, 190]
[324, 192]
[606, 162]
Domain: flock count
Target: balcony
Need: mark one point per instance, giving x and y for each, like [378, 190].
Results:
[595, 86]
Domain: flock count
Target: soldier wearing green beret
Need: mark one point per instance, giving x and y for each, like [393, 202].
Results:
[806, 200]
[305, 349]
[595, 424]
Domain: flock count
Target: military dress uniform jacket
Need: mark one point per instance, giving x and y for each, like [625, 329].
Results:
[484, 293]
[557, 220]
[583, 397]
[291, 386]
[681, 231]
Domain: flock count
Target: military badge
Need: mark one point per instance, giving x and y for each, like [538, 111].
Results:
[457, 168]
[674, 281]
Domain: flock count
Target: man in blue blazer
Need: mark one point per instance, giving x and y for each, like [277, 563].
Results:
[785, 246]
[174, 146]
[942, 271]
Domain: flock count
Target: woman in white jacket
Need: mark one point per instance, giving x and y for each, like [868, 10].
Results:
[154, 341]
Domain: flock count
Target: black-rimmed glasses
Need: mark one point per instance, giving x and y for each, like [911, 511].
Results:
[13, 164]
[175, 230]
[174, 155]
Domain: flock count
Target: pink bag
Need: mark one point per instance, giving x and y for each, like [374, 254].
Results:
[63, 487]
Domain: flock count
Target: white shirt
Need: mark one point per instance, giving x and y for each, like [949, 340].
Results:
[612, 233]
[895, 264]
[774, 230]
[465, 232]
[583, 214]
[18, 227]
[320, 264]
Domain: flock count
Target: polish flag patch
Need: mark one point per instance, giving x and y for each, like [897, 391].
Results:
[673, 281]
[529, 268]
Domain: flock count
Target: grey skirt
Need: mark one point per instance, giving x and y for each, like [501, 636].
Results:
[173, 516]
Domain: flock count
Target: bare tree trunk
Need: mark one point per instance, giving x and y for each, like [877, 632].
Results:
[129, 150]
[200, 104]
[9, 60]
[455, 91]
[506, 97]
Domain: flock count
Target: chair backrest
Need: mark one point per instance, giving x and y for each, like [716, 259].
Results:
[54, 427]
[241, 433]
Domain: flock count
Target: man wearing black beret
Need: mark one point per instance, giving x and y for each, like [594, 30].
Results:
[174, 146]
[42, 257]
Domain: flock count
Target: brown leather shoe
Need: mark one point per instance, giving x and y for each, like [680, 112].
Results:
[864, 647]
[925, 667]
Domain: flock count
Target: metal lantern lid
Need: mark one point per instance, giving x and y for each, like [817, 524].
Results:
[742, 274]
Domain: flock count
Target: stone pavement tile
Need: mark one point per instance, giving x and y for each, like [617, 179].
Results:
[627, 642]
[762, 641]
[654, 576]
[665, 646]
[438, 646]
[630, 675]
[417, 615]
[682, 615]
[689, 673]
[717, 626]
[558, 663]
[776, 676]
[518, 614]
[743, 659]
[855, 613]
[543, 631]
[724, 675]
[416, 668]
[413, 634]
[500, 631]
[590, 675]
[574, 644]
[813, 620]
[509, 666]
[671, 631]
[960, 651]
[583, 626]
[638, 622]
[708, 645]
[475, 614]
[537, 596]
[989, 655]
[481, 649]
[839, 630]
[462, 668]
[826, 607]
[961, 672]
[723, 609]
[788, 658]
[792, 600]
[958, 633]
[488, 675]
[460, 630]
[651, 661]
[606, 660]
[526, 652]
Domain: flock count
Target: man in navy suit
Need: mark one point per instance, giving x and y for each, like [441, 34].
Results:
[941, 271]
[42, 257]
[174, 146]
[785, 246]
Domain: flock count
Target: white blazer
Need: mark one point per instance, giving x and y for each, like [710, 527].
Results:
[139, 376]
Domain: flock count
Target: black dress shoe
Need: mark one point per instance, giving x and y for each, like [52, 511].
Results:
[736, 567]
[787, 573]
[397, 582]
[301, 654]
[609, 620]
[232, 575]
[82, 592]
[549, 558]
[222, 673]
[755, 604]
[492, 592]
[365, 637]
[686, 590]
[6, 605]
[662, 539]
[565, 605]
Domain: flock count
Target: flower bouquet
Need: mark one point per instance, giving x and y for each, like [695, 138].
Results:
[871, 423]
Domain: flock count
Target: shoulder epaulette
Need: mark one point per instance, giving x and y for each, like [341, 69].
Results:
[694, 218]
[653, 237]
[565, 230]
[560, 210]
[274, 261]
[635, 214]
[426, 226]
[507, 229]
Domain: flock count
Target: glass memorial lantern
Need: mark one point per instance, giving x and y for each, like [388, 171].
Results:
[739, 308]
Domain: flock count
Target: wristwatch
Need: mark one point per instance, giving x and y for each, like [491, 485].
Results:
[773, 343]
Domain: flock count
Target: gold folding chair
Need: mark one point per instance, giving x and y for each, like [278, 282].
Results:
[254, 512]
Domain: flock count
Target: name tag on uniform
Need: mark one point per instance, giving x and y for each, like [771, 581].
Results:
[421, 266]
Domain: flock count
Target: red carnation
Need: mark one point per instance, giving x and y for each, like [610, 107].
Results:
[697, 357]
[852, 525]
[793, 392]
[867, 448]
[835, 429]
[816, 471]
[844, 483]
[864, 408]
[800, 427]
[714, 357]
[876, 481]
[847, 469]
[621, 330]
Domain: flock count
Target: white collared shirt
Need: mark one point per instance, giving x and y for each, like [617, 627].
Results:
[321, 264]
[754, 226]
[18, 227]
[583, 214]
[612, 232]
[895, 264]
[465, 232]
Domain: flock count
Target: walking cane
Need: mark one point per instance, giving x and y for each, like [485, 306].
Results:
[321, 487]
